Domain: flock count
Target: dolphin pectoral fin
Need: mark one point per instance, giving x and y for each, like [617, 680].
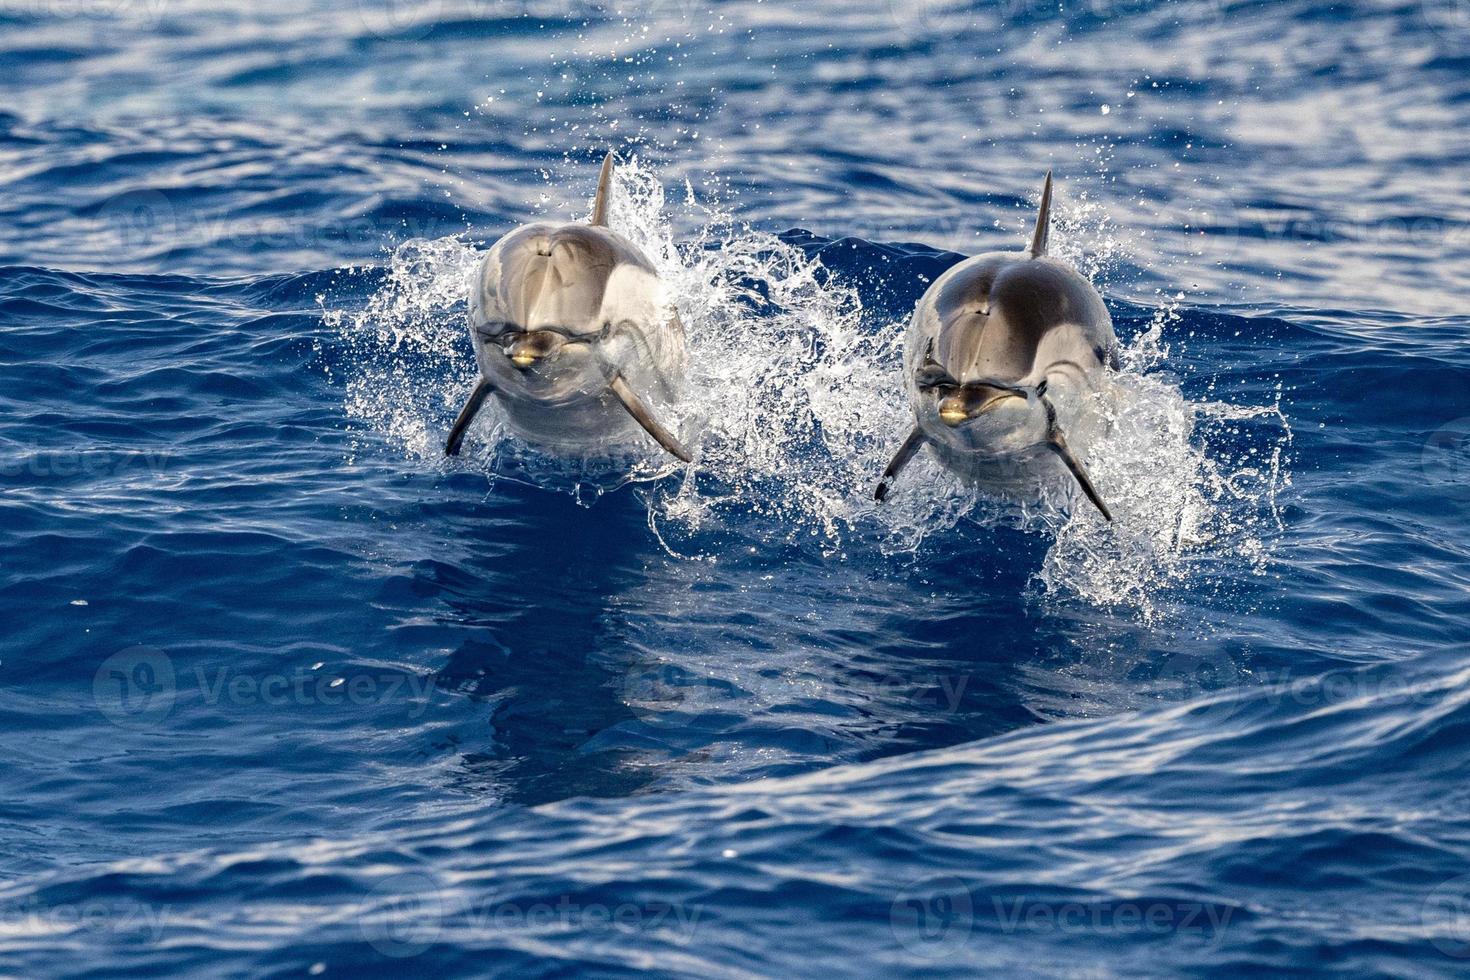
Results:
[645, 418]
[901, 459]
[1057, 443]
[466, 416]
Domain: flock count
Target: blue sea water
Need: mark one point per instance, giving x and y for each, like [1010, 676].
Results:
[285, 693]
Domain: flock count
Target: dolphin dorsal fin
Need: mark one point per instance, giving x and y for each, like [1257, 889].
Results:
[604, 192]
[1043, 221]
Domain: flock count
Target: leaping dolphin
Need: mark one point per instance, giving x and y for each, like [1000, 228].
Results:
[1001, 359]
[575, 336]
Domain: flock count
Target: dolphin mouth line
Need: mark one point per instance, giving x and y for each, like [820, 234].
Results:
[527, 348]
[953, 417]
[955, 407]
[503, 338]
[956, 416]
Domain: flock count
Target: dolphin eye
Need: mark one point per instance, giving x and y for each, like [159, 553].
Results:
[931, 375]
[494, 333]
[611, 329]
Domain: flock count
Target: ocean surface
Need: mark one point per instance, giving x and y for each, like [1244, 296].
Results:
[283, 692]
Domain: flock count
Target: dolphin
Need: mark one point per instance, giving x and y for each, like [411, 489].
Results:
[576, 338]
[1001, 359]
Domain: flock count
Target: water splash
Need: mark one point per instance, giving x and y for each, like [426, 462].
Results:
[794, 404]
[406, 349]
[1181, 500]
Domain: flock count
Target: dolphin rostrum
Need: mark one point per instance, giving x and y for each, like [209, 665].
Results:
[576, 338]
[1001, 360]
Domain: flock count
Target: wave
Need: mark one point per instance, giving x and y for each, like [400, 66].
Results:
[1080, 838]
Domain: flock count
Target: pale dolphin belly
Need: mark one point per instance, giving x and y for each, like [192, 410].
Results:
[1015, 469]
[598, 422]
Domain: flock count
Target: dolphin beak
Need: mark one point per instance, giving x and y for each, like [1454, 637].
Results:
[952, 411]
[960, 408]
[529, 348]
